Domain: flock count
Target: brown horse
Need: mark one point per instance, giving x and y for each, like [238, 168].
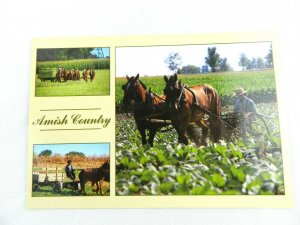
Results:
[190, 105]
[146, 107]
[145, 103]
[59, 74]
[95, 176]
[77, 75]
[85, 74]
[92, 74]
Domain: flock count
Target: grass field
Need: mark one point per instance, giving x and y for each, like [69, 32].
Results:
[259, 84]
[99, 86]
[47, 190]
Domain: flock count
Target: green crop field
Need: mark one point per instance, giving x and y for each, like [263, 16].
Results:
[259, 84]
[79, 64]
[246, 165]
[99, 86]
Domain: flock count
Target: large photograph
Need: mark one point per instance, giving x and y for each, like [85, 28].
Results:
[72, 72]
[197, 120]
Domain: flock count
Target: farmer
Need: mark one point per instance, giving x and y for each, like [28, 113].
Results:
[244, 107]
[242, 103]
[70, 171]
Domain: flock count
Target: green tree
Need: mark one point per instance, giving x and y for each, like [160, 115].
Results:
[212, 59]
[46, 152]
[260, 64]
[224, 65]
[244, 61]
[269, 58]
[189, 69]
[74, 153]
[173, 61]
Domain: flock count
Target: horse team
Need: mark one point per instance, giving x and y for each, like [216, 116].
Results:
[74, 74]
[184, 106]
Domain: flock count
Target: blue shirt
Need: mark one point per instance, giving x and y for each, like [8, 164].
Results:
[244, 105]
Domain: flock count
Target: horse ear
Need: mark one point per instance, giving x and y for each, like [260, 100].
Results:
[149, 89]
[166, 79]
[127, 77]
[137, 76]
[175, 77]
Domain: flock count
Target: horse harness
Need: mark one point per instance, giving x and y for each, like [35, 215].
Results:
[195, 103]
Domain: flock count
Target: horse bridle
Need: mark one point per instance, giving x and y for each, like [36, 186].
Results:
[129, 115]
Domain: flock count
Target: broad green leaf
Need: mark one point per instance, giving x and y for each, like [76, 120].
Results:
[238, 174]
[218, 180]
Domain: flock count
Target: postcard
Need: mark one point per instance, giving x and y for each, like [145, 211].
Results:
[173, 121]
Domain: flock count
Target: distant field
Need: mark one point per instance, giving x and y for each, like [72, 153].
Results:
[79, 64]
[259, 84]
[99, 86]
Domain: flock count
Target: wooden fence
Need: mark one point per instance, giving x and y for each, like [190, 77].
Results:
[49, 174]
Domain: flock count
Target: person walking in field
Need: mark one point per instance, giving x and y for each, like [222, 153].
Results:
[70, 171]
[245, 107]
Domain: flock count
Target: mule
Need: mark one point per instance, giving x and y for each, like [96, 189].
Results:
[95, 176]
[190, 105]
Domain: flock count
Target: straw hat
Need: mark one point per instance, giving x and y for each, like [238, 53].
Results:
[240, 91]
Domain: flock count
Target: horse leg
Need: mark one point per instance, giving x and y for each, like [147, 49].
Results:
[215, 127]
[193, 134]
[142, 131]
[100, 186]
[182, 138]
[204, 129]
[97, 190]
[82, 183]
[152, 133]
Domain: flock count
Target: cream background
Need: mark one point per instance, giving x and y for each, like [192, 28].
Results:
[20, 21]
[107, 134]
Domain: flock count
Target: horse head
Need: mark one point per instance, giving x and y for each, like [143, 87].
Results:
[132, 90]
[104, 170]
[173, 91]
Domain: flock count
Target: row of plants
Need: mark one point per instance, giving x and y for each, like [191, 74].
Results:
[260, 85]
[247, 166]
[80, 64]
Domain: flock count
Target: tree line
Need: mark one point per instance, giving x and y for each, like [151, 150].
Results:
[218, 64]
[61, 54]
[48, 152]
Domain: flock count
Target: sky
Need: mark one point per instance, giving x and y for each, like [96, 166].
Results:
[88, 149]
[104, 50]
[150, 60]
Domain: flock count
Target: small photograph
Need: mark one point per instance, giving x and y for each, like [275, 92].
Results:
[71, 170]
[197, 120]
[72, 72]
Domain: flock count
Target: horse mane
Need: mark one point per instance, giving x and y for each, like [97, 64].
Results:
[143, 85]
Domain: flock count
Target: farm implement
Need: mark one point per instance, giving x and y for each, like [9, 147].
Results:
[54, 178]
